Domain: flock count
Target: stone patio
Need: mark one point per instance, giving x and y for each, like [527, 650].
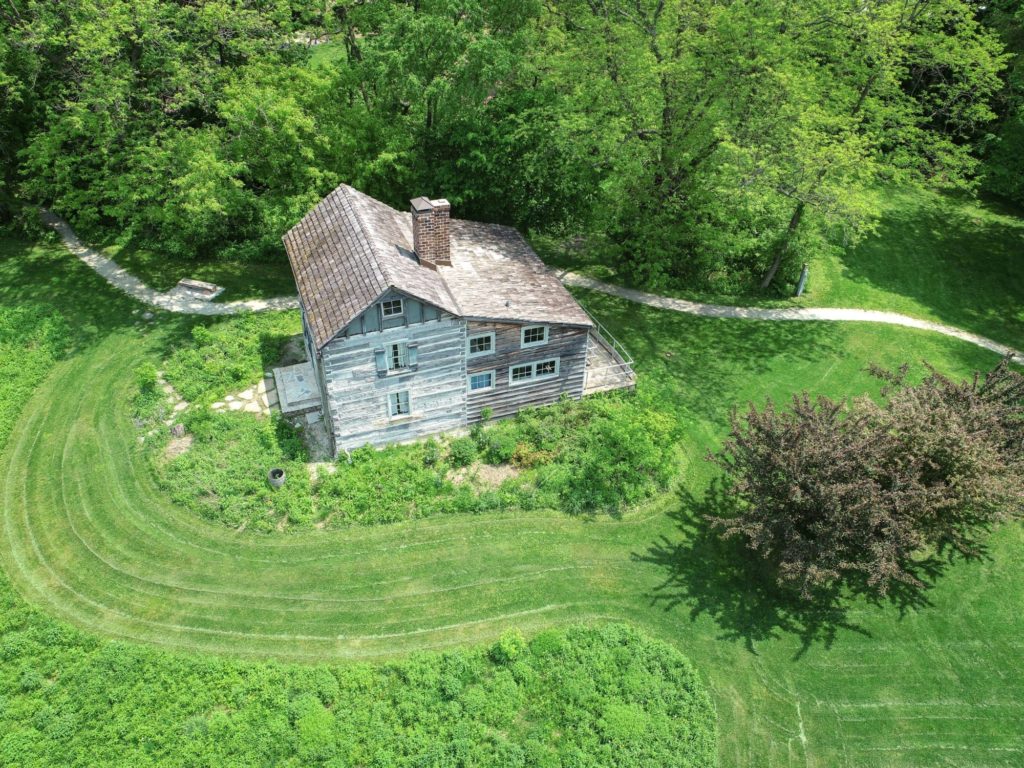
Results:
[258, 399]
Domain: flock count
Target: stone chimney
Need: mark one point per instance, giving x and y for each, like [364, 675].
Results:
[430, 237]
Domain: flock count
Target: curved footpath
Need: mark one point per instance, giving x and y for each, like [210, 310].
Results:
[835, 314]
[170, 301]
[177, 301]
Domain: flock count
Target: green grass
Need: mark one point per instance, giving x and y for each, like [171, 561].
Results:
[935, 257]
[240, 279]
[89, 537]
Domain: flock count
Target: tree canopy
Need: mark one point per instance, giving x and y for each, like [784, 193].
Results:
[709, 145]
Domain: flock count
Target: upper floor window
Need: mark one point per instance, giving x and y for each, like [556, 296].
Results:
[398, 356]
[534, 335]
[391, 308]
[481, 345]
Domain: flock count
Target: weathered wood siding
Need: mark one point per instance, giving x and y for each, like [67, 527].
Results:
[358, 398]
[567, 343]
[371, 320]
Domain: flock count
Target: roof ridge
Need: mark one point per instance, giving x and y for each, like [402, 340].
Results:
[377, 256]
[380, 258]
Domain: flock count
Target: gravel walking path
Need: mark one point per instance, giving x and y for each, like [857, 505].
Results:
[837, 314]
[174, 300]
[183, 302]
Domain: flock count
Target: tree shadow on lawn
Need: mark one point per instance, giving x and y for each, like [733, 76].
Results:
[962, 263]
[725, 581]
[700, 363]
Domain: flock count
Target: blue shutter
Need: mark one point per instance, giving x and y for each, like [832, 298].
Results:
[382, 362]
[412, 350]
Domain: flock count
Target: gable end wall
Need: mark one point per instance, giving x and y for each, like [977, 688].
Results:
[357, 397]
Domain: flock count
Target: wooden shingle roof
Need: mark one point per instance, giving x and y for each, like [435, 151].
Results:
[350, 249]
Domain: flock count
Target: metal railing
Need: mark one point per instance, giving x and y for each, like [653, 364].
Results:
[613, 343]
[600, 335]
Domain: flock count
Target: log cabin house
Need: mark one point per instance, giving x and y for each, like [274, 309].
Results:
[414, 323]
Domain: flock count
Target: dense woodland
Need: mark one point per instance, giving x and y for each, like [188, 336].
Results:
[714, 145]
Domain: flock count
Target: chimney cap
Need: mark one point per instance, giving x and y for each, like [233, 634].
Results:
[421, 204]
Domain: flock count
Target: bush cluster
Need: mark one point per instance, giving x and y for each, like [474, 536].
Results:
[595, 455]
[606, 696]
[232, 354]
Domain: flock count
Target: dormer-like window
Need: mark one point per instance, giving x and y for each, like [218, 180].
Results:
[534, 336]
[391, 308]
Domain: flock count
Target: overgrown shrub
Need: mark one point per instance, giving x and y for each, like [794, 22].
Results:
[462, 452]
[384, 486]
[229, 355]
[622, 457]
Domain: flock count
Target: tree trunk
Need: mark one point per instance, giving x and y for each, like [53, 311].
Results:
[794, 224]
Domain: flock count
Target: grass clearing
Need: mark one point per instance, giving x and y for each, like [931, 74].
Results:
[935, 257]
[89, 537]
[239, 279]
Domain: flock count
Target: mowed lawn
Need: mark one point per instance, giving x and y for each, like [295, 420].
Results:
[933, 256]
[87, 536]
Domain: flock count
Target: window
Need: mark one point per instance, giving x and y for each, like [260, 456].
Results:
[481, 345]
[391, 307]
[547, 368]
[481, 381]
[398, 403]
[534, 336]
[398, 356]
[521, 374]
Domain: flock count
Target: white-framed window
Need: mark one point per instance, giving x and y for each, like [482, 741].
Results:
[397, 355]
[481, 344]
[534, 336]
[527, 372]
[398, 403]
[391, 308]
[481, 381]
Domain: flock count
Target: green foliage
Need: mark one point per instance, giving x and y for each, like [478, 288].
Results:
[462, 451]
[693, 148]
[396, 483]
[228, 355]
[600, 454]
[508, 648]
[1002, 149]
[181, 710]
[624, 456]
[223, 475]
[146, 378]
[32, 338]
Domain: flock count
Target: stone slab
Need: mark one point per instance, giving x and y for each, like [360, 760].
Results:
[297, 388]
